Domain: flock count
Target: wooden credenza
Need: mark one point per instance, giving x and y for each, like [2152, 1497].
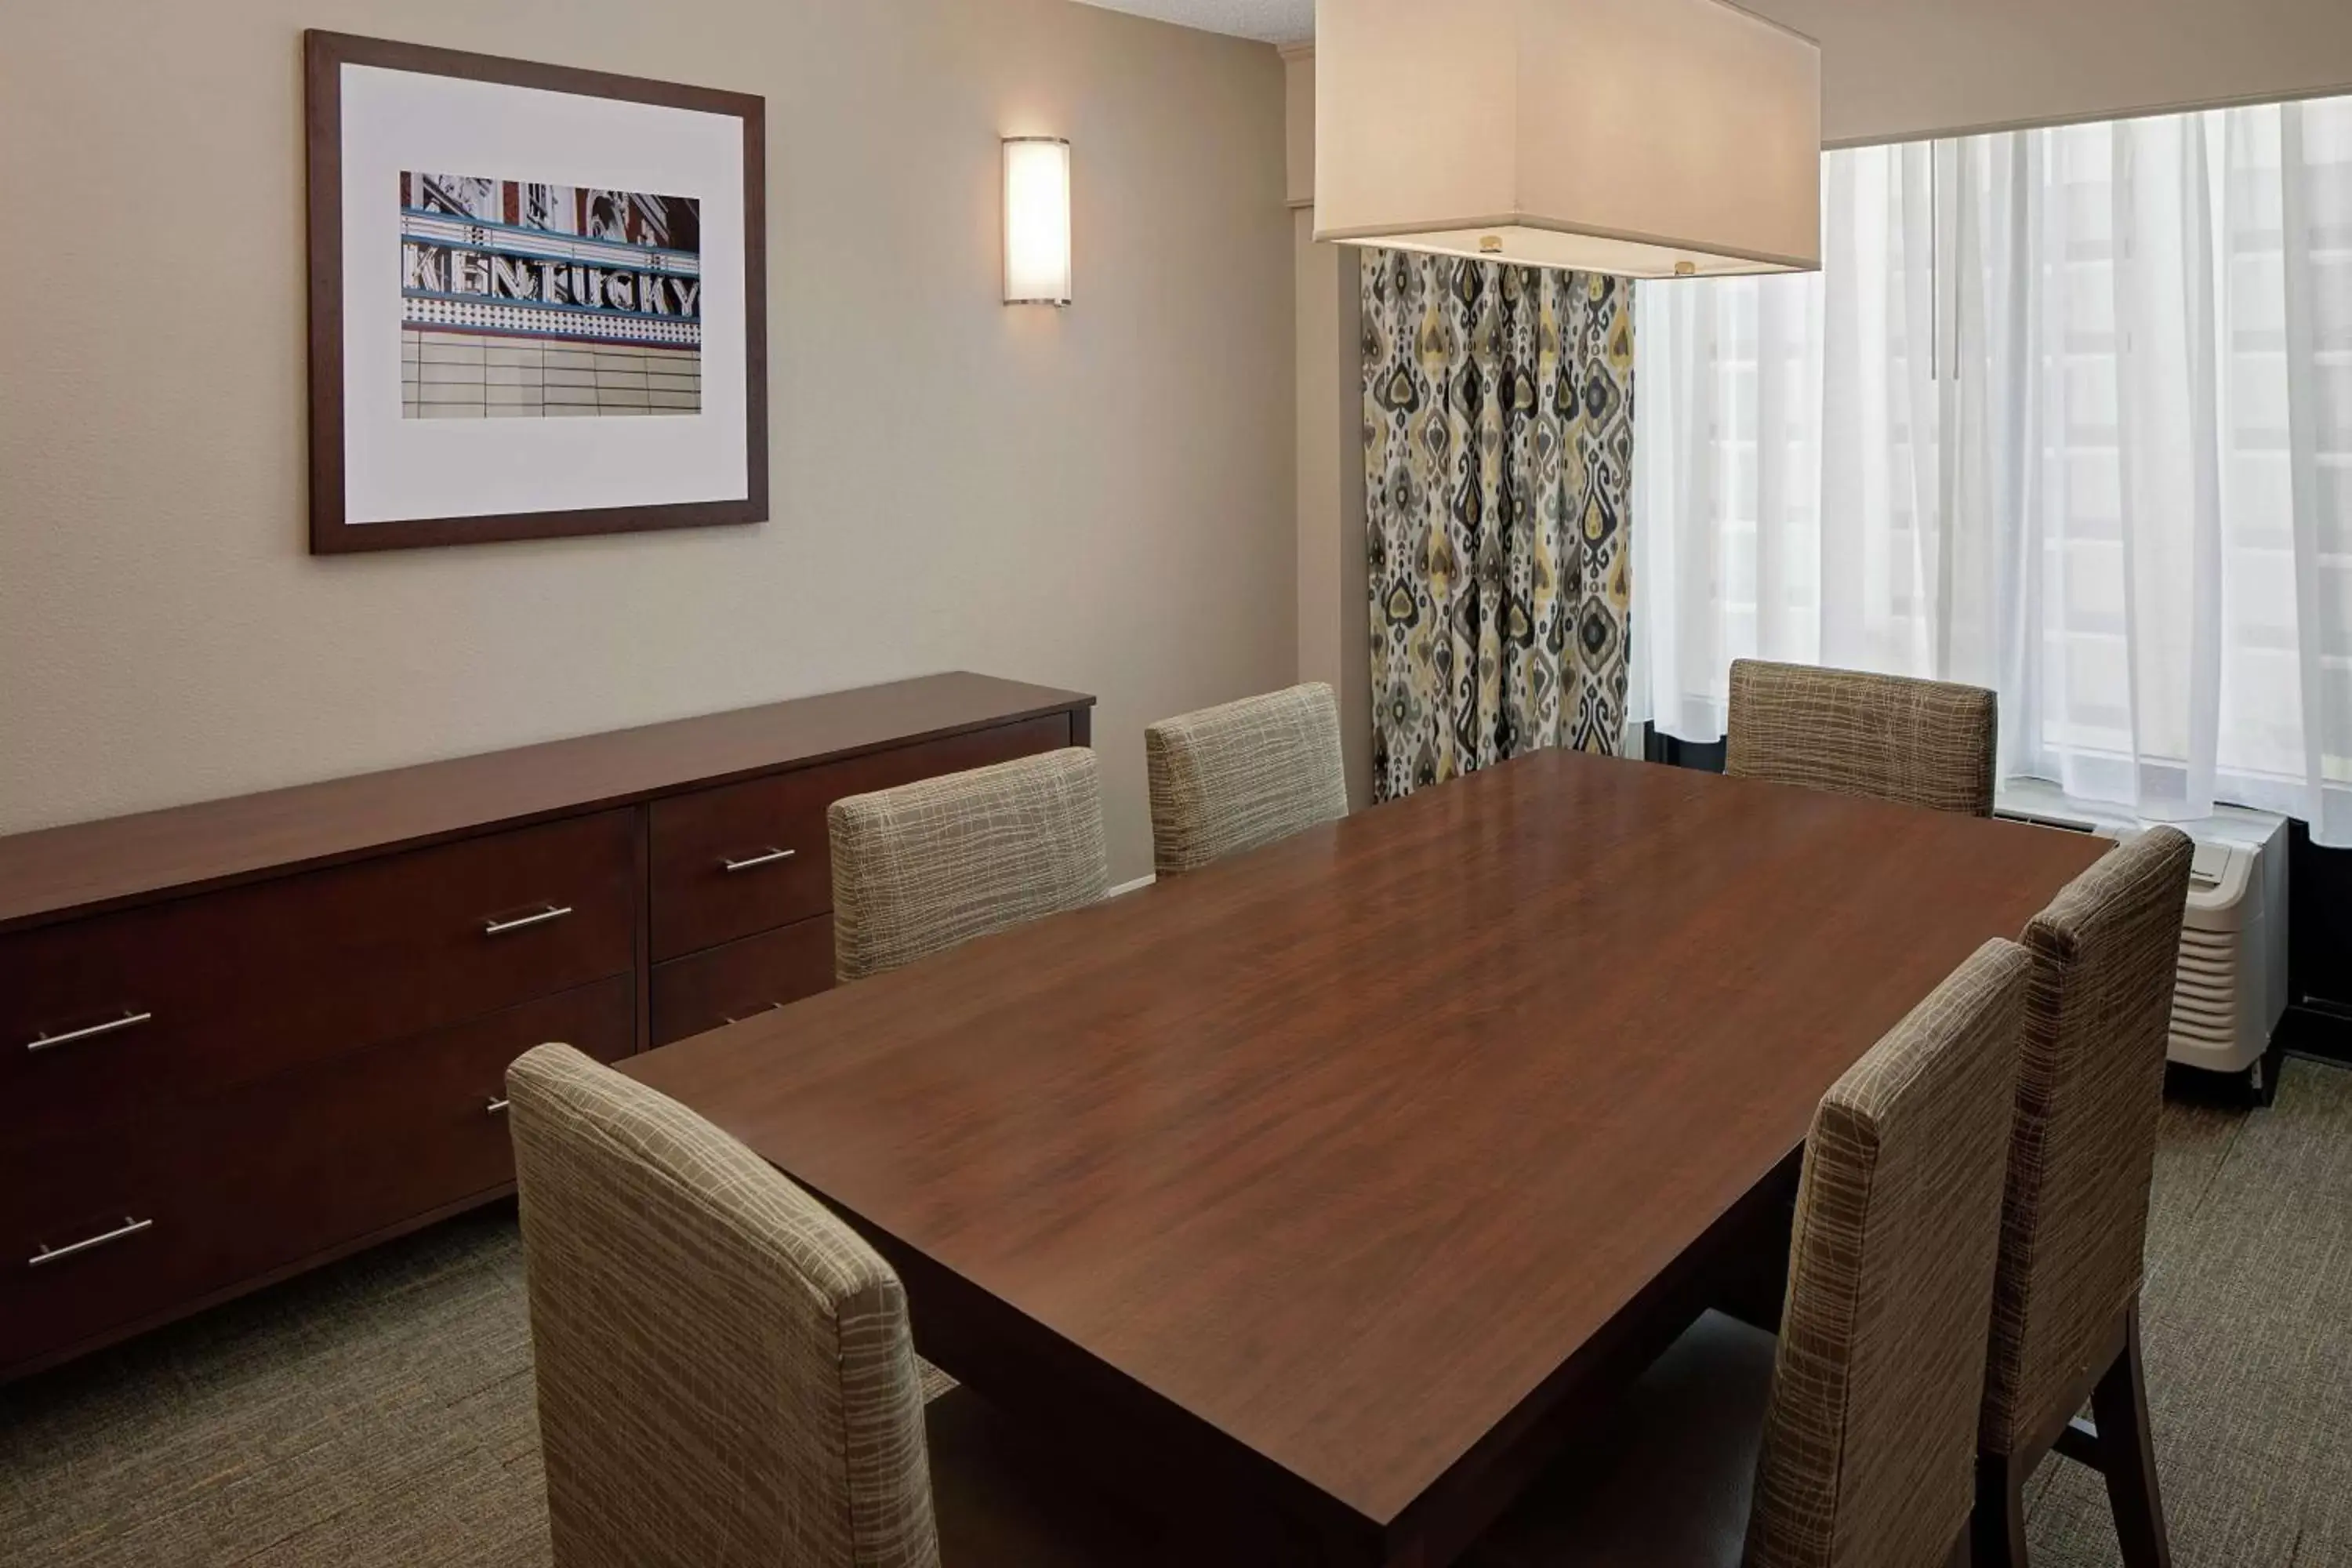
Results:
[241, 1038]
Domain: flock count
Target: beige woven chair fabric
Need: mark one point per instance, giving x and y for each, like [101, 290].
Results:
[1234, 777]
[725, 1372]
[928, 865]
[2083, 1150]
[1918, 742]
[1869, 1456]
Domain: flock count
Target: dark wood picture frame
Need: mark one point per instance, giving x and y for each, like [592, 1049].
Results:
[324, 56]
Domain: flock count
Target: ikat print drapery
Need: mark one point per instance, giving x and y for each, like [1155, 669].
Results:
[1498, 436]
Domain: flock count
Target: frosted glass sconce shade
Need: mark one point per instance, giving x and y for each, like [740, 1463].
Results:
[1036, 221]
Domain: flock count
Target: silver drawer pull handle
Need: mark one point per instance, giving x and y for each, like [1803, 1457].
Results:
[48, 1255]
[764, 858]
[112, 1026]
[760, 1012]
[498, 1107]
[500, 928]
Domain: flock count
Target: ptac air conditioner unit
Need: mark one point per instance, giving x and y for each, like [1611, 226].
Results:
[2231, 990]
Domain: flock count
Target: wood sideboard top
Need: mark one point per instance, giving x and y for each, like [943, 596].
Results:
[88, 867]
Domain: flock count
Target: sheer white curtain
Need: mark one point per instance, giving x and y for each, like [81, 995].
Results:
[2067, 413]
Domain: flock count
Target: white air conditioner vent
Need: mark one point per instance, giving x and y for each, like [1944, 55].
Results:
[2230, 989]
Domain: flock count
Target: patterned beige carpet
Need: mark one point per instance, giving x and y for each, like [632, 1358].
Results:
[379, 1413]
[2248, 1331]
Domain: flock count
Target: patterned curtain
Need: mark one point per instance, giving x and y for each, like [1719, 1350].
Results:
[1498, 448]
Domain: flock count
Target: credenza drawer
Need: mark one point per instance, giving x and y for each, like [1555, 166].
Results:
[169, 1205]
[750, 856]
[208, 992]
[757, 974]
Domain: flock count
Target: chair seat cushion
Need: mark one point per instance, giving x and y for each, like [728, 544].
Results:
[1665, 1482]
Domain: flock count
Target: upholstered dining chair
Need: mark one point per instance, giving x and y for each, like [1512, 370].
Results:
[2066, 1324]
[1234, 777]
[930, 866]
[1850, 1442]
[725, 1370]
[1918, 742]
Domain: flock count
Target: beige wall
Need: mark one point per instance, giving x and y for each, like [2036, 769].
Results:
[1298, 141]
[1893, 69]
[1334, 614]
[1101, 497]
[1334, 610]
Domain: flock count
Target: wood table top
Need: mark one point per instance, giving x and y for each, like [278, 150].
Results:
[1347, 1145]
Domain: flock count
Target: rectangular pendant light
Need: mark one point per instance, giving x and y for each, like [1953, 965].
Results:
[1036, 220]
[1643, 138]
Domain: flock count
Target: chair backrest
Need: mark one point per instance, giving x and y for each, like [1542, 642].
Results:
[2083, 1150]
[1919, 742]
[928, 866]
[725, 1371]
[1234, 777]
[1869, 1456]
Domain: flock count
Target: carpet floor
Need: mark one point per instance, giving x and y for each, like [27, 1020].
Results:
[379, 1413]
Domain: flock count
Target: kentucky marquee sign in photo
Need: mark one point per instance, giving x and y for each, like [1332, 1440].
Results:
[592, 300]
[537, 300]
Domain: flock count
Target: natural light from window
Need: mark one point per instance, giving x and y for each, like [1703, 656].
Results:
[2067, 413]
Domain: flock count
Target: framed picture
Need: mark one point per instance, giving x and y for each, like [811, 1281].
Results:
[538, 300]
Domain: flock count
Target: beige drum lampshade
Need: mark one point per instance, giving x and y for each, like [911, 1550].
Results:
[1645, 138]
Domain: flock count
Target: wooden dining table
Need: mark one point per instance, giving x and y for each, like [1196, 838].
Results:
[1323, 1195]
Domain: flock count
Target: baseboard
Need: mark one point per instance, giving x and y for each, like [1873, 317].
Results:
[1135, 887]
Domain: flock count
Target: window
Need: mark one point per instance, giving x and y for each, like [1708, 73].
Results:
[2067, 413]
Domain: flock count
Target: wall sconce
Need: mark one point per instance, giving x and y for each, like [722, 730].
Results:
[1036, 220]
